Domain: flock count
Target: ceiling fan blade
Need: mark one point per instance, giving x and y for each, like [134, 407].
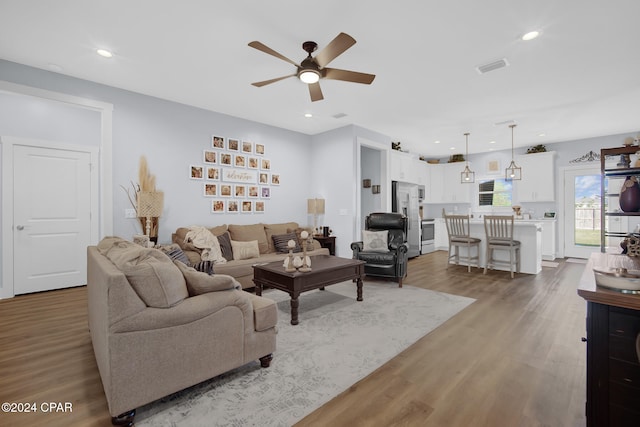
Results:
[348, 76]
[334, 49]
[268, 82]
[266, 49]
[315, 92]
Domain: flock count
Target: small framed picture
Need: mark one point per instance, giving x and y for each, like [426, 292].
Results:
[217, 142]
[225, 159]
[210, 190]
[240, 161]
[197, 172]
[263, 178]
[247, 206]
[258, 207]
[275, 179]
[493, 167]
[213, 174]
[210, 156]
[217, 206]
[259, 149]
[233, 144]
[265, 192]
[232, 206]
[225, 190]
[247, 147]
[265, 164]
[240, 191]
[253, 191]
[253, 162]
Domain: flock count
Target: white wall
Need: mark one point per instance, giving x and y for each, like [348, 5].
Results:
[172, 136]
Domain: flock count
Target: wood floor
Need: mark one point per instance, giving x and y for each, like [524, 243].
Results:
[512, 358]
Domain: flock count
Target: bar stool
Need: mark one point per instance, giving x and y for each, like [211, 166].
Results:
[499, 232]
[458, 231]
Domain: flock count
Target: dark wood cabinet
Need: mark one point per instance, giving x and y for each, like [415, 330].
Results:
[613, 365]
[327, 242]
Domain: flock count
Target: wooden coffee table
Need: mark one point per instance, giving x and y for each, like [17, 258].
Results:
[325, 270]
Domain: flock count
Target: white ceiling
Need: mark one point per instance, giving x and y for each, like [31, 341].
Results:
[579, 79]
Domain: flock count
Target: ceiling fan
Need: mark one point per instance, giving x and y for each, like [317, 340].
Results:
[312, 69]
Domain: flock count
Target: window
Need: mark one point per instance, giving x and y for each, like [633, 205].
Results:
[496, 192]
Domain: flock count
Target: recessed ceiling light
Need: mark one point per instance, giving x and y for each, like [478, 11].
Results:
[492, 142]
[104, 53]
[452, 148]
[530, 35]
[542, 134]
[308, 115]
[436, 142]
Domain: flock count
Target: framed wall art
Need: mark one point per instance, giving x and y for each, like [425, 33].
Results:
[247, 206]
[210, 190]
[217, 206]
[247, 147]
[210, 156]
[217, 142]
[259, 207]
[225, 190]
[232, 206]
[196, 172]
[233, 144]
[213, 174]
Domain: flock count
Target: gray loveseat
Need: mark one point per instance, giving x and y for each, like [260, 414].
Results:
[163, 326]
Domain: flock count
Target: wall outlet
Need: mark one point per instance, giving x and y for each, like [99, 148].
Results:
[130, 213]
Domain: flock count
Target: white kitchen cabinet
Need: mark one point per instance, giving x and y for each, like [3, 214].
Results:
[406, 168]
[548, 240]
[445, 184]
[538, 178]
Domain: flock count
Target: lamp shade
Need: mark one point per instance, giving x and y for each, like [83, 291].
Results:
[150, 203]
[315, 206]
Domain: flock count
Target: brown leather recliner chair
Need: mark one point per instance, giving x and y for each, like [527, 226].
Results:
[393, 263]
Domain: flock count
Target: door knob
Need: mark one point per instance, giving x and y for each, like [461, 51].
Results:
[20, 227]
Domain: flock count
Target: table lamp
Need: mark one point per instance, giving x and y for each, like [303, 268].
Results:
[315, 207]
[150, 206]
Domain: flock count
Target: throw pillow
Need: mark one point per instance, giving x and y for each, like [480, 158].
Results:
[225, 246]
[174, 252]
[375, 241]
[151, 274]
[281, 242]
[200, 283]
[204, 266]
[245, 250]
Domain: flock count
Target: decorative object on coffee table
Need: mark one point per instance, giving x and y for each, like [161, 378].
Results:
[288, 262]
[306, 261]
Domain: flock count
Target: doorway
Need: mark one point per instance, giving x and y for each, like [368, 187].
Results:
[581, 211]
[52, 202]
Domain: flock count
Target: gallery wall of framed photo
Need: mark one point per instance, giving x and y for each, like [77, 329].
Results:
[236, 175]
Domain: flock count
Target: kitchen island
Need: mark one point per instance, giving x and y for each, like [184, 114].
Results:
[529, 233]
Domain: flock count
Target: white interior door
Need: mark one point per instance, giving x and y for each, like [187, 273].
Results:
[51, 217]
[581, 211]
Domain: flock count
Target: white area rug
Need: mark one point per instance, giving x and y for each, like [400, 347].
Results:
[338, 342]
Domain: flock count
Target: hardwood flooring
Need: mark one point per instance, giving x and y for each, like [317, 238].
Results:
[512, 358]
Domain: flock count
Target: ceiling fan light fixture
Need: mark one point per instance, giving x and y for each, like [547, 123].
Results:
[309, 76]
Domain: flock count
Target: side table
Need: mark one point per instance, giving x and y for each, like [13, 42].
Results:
[327, 242]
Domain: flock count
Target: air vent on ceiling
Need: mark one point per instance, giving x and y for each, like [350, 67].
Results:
[339, 115]
[501, 63]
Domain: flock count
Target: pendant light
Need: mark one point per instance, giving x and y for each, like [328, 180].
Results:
[513, 172]
[467, 176]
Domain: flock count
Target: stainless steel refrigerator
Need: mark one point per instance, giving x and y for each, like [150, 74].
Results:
[404, 200]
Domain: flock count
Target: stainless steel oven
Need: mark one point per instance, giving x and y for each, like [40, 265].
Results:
[428, 229]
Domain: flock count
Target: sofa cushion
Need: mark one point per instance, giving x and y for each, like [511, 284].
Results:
[274, 229]
[225, 246]
[265, 313]
[174, 252]
[204, 266]
[247, 233]
[154, 277]
[200, 283]
[281, 242]
[375, 241]
[245, 250]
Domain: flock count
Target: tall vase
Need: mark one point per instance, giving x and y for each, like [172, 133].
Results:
[630, 195]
